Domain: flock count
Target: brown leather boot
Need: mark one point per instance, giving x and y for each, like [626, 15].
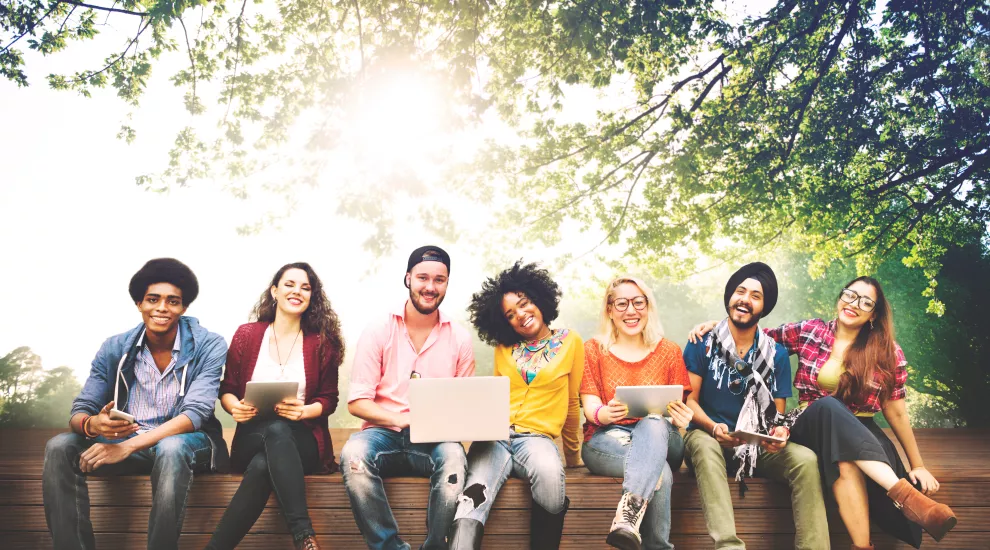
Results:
[308, 543]
[937, 519]
[854, 547]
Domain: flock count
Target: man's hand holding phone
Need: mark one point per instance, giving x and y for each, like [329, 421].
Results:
[102, 425]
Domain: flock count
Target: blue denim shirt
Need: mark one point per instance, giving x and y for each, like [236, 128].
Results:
[202, 355]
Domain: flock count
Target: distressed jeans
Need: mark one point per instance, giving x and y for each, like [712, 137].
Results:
[376, 453]
[171, 463]
[796, 466]
[638, 454]
[532, 457]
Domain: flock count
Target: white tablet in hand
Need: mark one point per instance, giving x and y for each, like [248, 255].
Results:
[265, 395]
[755, 438]
[645, 400]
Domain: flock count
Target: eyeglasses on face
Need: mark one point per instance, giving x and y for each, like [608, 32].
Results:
[852, 297]
[622, 304]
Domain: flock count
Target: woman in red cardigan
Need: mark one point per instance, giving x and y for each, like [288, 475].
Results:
[296, 338]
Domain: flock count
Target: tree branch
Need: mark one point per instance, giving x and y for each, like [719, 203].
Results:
[847, 24]
[29, 29]
[103, 8]
[120, 57]
[237, 61]
[192, 60]
[625, 126]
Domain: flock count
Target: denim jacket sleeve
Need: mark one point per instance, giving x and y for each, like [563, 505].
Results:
[98, 385]
[201, 394]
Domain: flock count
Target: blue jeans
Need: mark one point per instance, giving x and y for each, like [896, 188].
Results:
[171, 464]
[638, 454]
[375, 453]
[532, 457]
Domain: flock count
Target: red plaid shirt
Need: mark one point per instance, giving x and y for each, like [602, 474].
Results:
[812, 341]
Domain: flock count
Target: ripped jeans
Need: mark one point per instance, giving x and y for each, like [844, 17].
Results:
[638, 454]
[375, 453]
[532, 457]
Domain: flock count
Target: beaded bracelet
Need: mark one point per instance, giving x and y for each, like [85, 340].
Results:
[85, 427]
[594, 417]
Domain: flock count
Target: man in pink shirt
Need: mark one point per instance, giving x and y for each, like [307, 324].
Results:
[416, 341]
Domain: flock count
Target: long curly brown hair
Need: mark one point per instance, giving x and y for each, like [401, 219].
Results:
[319, 318]
[872, 357]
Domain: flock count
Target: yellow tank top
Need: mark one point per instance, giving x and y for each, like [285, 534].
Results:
[828, 379]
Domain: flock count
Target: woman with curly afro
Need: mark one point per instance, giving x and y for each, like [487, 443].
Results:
[513, 312]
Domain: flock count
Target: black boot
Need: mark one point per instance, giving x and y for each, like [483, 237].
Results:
[545, 528]
[465, 534]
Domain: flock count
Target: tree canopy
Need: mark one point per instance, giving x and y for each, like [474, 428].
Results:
[843, 127]
[31, 397]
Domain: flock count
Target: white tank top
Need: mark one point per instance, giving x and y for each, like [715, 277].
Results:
[268, 370]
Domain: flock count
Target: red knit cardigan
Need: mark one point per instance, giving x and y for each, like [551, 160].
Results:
[321, 380]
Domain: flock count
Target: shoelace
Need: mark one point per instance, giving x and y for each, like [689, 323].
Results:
[309, 544]
[629, 512]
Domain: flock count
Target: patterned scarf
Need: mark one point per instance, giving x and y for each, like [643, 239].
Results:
[531, 357]
[753, 376]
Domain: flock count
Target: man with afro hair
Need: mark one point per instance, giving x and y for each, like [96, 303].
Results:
[146, 408]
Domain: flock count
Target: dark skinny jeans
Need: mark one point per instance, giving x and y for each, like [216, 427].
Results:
[273, 454]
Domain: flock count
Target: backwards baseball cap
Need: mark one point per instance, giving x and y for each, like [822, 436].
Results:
[427, 254]
[760, 272]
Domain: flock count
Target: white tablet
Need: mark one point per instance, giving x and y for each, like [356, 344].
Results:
[265, 395]
[755, 438]
[645, 400]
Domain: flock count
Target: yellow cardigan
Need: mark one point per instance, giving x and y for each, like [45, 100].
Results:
[550, 405]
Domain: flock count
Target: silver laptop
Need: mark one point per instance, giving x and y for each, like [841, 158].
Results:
[459, 409]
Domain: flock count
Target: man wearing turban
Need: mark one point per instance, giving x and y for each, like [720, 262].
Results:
[740, 381]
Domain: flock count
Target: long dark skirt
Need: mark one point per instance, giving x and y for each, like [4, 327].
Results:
[836, 435]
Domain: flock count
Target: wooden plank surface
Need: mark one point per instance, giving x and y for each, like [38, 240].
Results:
[959, 458]
[134, 519]
[127, 541]
[208, 491]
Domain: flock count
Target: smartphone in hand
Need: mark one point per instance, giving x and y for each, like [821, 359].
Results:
[121, 415]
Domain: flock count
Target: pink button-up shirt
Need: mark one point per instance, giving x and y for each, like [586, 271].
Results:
[385, 358]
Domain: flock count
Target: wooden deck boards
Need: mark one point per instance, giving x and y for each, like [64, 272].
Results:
[960, 459]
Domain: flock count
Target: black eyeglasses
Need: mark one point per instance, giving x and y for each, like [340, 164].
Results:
[622, 304]
[852, 297]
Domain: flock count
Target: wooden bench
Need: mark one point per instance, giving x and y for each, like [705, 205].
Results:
[959, 458]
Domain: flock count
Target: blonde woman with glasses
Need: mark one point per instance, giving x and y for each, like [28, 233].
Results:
[631, 351]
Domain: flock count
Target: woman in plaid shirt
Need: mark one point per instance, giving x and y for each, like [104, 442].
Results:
[849, 369]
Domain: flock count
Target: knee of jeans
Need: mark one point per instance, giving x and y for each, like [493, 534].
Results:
[552, 502]
[655, 426]
[472, 498]
[173, 449]
[277, 429]
[356, 459]
[61, 448]
[258, 466]
[450, 458]
[547, 467]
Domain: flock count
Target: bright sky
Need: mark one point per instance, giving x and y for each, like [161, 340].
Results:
[74, 226]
